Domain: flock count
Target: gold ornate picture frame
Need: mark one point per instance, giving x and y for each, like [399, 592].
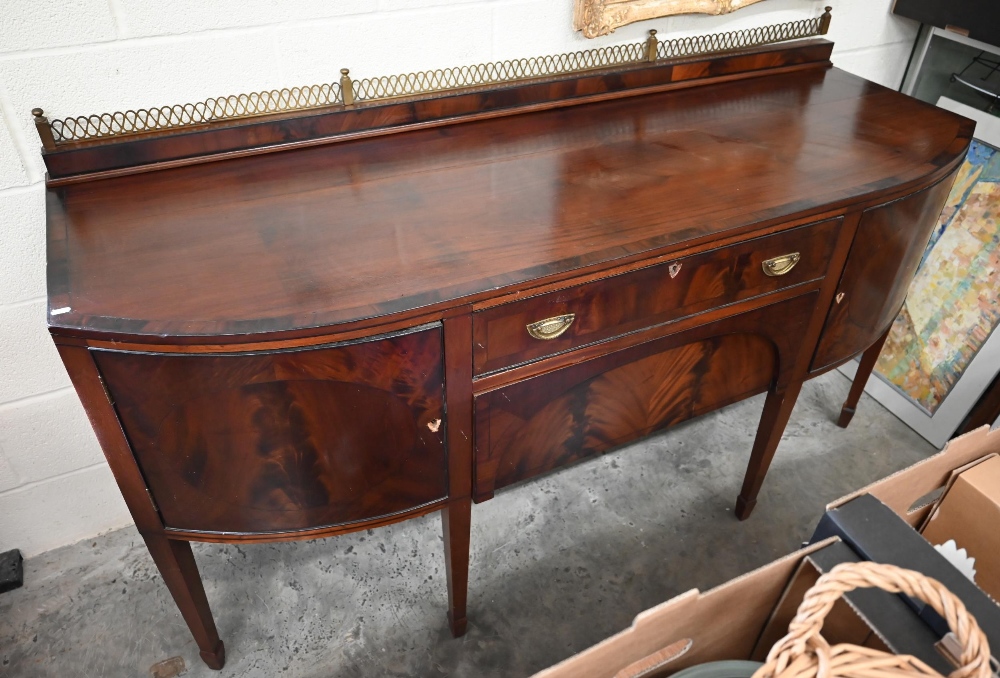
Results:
[600, 17]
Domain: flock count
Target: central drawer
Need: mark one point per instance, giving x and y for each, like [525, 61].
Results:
[550, 323]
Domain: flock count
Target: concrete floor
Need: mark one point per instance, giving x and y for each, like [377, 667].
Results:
[557, 564]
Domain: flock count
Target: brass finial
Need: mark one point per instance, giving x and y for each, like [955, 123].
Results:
[651, 45]
[824, 21]
[44, 129]
[346, 86]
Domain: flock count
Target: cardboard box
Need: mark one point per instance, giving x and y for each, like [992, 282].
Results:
[915, 491]
[969, 514]
[954, 494]
[742, 618]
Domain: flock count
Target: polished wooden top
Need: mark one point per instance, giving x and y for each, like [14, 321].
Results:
[319, 236]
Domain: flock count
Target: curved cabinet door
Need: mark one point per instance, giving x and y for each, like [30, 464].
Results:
[883, 260]
[286, 440]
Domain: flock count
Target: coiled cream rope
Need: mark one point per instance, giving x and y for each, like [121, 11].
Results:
[804, 653]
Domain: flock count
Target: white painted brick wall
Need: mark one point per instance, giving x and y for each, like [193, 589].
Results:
[12, 172]
[43, 24]
[90, 56]
[30, 362]
[30, 425]
[143, 18]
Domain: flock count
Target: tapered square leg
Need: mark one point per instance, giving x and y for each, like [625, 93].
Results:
[865, 369]
[777, 409]
[177, 566]
[456, 521]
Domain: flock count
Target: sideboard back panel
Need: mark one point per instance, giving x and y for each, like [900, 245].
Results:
[887, 249]
[286, 440]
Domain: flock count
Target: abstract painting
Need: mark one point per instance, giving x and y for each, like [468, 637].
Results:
[951, 308]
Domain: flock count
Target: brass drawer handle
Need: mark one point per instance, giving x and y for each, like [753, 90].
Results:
[550, 328]
[781, 265]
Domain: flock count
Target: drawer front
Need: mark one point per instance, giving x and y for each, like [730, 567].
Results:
[289, 440]
[620, 304]
[560, 417]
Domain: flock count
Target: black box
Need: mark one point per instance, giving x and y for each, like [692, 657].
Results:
[878, 534]
[11, 571]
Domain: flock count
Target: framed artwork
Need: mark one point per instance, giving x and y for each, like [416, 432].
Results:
[600, 17]
[942, 351]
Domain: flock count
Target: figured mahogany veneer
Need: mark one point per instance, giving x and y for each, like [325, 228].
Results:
[549, 421]
[287, 345]
[326, 436]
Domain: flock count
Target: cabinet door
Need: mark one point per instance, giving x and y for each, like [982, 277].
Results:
[286, 440]
[560, 417]
[883, 260]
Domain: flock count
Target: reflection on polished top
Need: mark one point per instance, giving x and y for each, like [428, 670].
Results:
[359, 229]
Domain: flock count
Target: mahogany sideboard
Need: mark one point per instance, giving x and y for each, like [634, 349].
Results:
[297, 326]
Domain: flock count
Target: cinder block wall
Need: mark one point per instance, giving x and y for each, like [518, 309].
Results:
[89, 56]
